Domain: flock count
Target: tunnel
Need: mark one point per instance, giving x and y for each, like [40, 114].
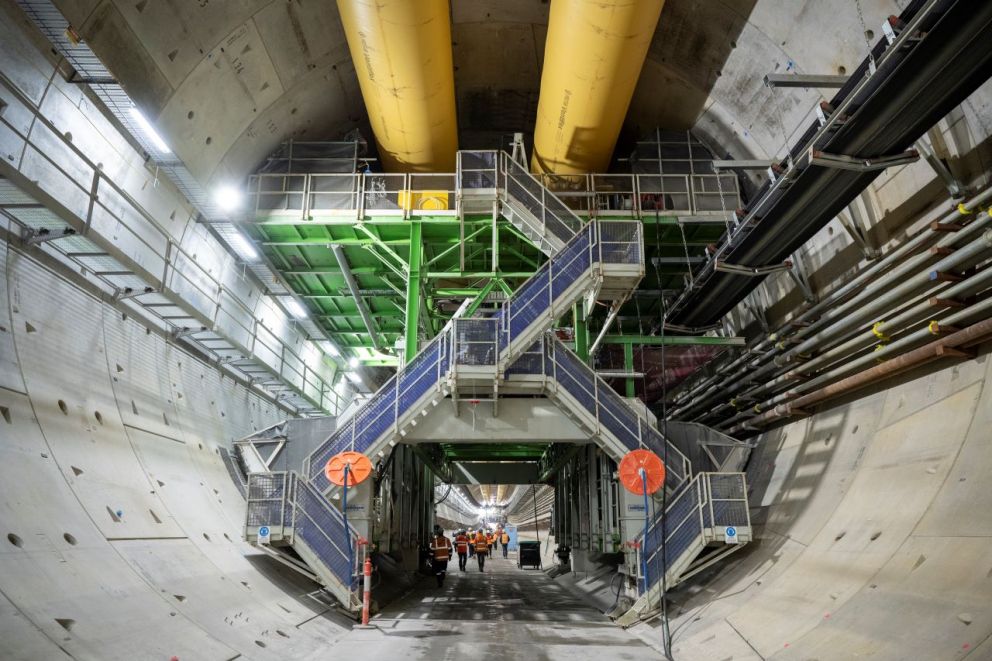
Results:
[673, 318]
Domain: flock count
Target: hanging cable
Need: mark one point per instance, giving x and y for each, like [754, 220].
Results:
[347, 530]
[666, 634]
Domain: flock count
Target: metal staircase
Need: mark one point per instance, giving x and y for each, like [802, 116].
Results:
[595, 260]
[706, 522]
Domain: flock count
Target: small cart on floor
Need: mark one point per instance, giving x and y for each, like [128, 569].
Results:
[529, 555]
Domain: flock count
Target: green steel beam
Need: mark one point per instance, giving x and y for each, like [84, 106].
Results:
[379, 243]
[674, 340]
[480, 298]
[477, 275]
[505, 288]
[454, 247]
[628, 366]
[413, 291]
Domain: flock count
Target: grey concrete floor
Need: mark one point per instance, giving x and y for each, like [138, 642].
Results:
[502, 613]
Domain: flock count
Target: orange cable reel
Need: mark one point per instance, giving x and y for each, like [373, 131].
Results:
[630, 471]
[359, 468]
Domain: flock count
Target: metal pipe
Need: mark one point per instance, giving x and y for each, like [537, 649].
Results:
[363, 309]
[969, 287]
[606, 326]
[592, 60]
[873, 303]
[967, 315]
[932, 351]
[401, 50]
[862, 283]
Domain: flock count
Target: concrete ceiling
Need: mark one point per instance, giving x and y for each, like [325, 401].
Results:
[225, 82]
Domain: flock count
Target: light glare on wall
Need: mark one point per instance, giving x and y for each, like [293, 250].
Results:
[353, 362]
[295, 308]
[149, 131]
[228, 198]
[242, 246]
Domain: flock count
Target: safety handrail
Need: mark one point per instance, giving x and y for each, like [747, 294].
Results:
[309, 506]
[614, 413]
[710, 500]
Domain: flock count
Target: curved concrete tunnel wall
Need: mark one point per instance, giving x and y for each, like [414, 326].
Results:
[874, 533]
[121, 528]
[910, 463]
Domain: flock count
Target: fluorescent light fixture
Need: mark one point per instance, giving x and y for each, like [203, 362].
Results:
[330, 349]
[353, 362]
[228, 198]
[150, 131]
[354, 378]
[294, 307]
[242, 246]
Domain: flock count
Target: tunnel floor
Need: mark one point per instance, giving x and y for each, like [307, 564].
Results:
[502, 613]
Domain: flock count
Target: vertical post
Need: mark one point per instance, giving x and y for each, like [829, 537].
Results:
[581, 332]
[347, 530]
[367, 591]
[628, 366]
[413, 291]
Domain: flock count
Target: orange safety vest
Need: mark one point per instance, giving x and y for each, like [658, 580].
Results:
[462, 543]
[505, 539]
[492, 538]
[481, 545]
[441, 547]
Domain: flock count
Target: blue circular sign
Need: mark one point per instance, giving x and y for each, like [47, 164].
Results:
[731, 531]
[263, 531]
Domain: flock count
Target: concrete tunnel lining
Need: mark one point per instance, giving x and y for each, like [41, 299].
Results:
[121, 536]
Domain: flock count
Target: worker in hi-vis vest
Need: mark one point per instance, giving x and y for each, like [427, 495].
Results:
[504, 539]
[481, 549]
[461, 547]
[441, 553]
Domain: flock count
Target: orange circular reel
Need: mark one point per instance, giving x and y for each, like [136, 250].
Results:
[359, 468]
[630, 471]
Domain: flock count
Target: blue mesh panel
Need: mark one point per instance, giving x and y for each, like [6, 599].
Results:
[654, 441]
[683, 528]
[414, 391]
[337, 442]
[580, 390]
[322, 528]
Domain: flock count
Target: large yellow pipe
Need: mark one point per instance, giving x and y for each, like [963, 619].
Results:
[592, 59]
[402, 55]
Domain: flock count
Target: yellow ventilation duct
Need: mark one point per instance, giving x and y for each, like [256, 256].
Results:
[593, 57]
[402, 55]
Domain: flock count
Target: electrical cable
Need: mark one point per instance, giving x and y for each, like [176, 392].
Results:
[666, 636]
[347, 530]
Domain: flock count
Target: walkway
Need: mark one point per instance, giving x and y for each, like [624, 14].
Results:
[503, 613]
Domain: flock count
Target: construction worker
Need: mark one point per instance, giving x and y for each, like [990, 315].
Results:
[504, 539]
[481, 549]
[441, 552]
[491, 539]
[462, 546]
[471, 543]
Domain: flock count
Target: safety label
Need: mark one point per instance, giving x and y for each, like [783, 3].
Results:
[730, 535]
[263, 535]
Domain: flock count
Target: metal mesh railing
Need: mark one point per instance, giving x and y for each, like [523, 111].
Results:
[382, 412]
[266, 500]
[321, 527]
[614, 413]
[523, 190]
[477, 170]
[475, 341]
[710, 500]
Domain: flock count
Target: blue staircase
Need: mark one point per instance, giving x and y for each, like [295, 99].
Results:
[595, 260]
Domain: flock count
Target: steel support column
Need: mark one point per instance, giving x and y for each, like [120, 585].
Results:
[628, 366]
[413, 291]
[581, 329]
